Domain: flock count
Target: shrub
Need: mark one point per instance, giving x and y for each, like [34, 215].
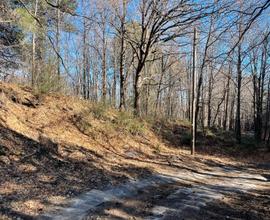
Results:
[99, 110]
[129, 123]
[248, 143]
[48, 81]
[186, 139]
[135, 127]
[210, 133]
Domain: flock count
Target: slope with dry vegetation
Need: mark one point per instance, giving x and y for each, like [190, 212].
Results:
[54, 147]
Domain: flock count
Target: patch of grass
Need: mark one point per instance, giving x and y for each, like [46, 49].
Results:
[136, 128]
[99, 111]
[129, 123]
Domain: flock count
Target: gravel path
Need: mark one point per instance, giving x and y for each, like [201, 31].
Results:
[182, 194]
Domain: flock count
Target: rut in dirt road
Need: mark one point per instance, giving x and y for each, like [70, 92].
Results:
[180, 195]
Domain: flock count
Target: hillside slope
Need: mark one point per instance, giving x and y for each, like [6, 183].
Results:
[55, 147]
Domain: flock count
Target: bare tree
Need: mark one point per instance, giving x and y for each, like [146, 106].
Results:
[159, 21]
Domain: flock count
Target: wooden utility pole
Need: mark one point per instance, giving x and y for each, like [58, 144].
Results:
[194, 92]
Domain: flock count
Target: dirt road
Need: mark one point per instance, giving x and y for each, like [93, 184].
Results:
[218, 192]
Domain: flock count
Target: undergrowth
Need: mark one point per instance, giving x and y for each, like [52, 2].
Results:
[49, 83]
[127, 122]
[98, 110]
[111, 119]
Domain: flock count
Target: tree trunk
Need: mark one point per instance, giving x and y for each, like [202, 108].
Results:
[122, 58]
[104, 72]
[104, 76]
[58, 40]
[189, 91]
[136, 102]
[114, 83]
[267, 115]
[260, 94]
[238, 103]
[227, 99]
[159, 85]
[84, 71]
[231, 117]
[209, 107]
[169, 98]
[194, 95]
[33, 75]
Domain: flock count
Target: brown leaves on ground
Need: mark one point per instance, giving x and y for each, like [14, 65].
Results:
[54, 147]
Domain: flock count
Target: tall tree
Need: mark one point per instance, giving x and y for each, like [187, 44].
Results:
[239, 87]
[159, 21]
[194, 93]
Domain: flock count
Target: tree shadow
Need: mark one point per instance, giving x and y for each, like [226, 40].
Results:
[173, 201]
[250, 205]
[218, 169]
[214, 142]
[173, 134]
[35, 174]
